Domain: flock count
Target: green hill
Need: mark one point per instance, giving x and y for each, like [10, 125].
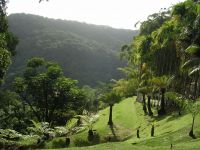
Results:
[88, 53]
[127, 116]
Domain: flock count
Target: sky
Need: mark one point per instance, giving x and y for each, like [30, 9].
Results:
[115, 13]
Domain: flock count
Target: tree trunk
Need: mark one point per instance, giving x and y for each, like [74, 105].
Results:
[138, 133]
[149, 106]
[162, 109]
[190, 89]
[67, 141]
[110, 122]
[46, 108]
[144, 104]
[45, 92]
[191, 133]
[152, 130]
[195, 86]
[33, 110]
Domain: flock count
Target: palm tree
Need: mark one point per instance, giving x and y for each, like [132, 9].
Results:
[111, 98]
[146, 88]
[162, 83]
[149, 95]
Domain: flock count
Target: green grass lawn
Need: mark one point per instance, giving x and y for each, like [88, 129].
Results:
[127, 116]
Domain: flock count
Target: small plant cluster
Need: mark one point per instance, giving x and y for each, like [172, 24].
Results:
[40, 132]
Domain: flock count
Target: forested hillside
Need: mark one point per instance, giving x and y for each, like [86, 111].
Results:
[87, 53]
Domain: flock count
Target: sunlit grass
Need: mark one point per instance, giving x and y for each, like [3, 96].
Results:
[127, 116]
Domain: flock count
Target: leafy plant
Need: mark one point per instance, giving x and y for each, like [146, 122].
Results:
[88, 119]
[40, 128]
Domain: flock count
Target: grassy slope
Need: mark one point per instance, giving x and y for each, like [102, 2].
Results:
[127, 116]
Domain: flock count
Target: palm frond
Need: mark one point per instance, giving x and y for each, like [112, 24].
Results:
[195, 70]
[191, 62]
[193, 50]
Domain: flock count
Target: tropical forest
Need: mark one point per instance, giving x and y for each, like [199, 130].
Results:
[73, 85]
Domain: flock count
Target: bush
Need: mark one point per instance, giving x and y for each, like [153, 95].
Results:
[9, 134]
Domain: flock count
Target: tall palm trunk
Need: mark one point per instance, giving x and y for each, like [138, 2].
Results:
[162, 109]
[144, 104]
[110, 122]
[149, 106]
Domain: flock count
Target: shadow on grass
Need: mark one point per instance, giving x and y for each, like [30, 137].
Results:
[91, 140]
[175, 117]
[59, 143]
[170, 117]
[134, 143]
[81, 142]
[112, 137]
[113, 128]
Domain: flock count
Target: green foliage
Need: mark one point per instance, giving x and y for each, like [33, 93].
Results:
[153, 22]
[193, 64]
[193, 108]
[178, 99]
[19, 85]
[9, 134]
[40, 128]
[111, 98]
[8, 42]
[43, 128]
[48, 93]
[162, 82]
[35, 62]
[61, 131]
[193, 50]
[126, 88]
[172, 96]
[168, 45]
[92, 102]
[5, 61]
[14, 113]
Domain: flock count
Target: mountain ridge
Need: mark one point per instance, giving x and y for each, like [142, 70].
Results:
[88, 53]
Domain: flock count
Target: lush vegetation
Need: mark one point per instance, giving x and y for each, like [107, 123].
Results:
[155, 106]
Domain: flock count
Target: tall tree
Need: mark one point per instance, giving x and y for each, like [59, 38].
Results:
[48, 92]
[8, 41]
